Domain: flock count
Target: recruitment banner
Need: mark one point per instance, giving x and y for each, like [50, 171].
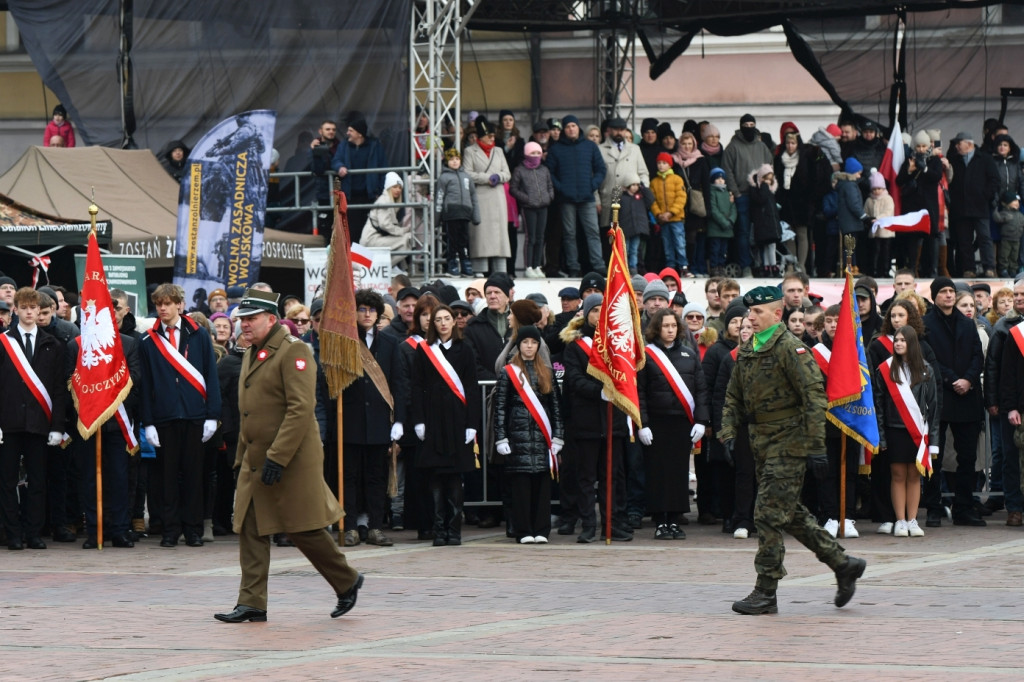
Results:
[371, 269]
[127, 273]
[222, 204]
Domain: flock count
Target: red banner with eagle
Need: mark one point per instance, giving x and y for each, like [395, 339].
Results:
[100, 382]
[618, 351]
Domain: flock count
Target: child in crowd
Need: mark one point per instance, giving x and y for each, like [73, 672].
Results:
[1011, 222]
[634, 218]
[880, 205]
[721, 219]
[531, 186]
[528, 435]
[456, 207]
[669, 209]
[764, 217]
[59, 127]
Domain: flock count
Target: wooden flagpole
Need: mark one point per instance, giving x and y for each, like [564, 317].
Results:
[93, 210]
[341, 473]
[849, 243]
[608, 480]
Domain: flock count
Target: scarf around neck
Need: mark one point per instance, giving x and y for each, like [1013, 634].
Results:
[486, 148]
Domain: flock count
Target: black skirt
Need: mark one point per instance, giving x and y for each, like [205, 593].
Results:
[901, 447]
[667, 464]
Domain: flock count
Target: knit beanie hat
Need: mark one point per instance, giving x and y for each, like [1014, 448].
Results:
[359, 125]
[526, 312]
[852, 166]
[940, 283]
[717, 173]
[735, 309]
[527, 332]
[747, 118]
[648, 124]
[1008, 196]
[656, 288]
[505, 112]
[639, 283]
[922, 137]
[665, 130]
[500, 280]
[590, 302]
[666, 157]
[877, 181]
[693, 308]
[711, 129]
[570, 118]
[532, 148]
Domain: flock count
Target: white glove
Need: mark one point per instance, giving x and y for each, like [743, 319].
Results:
[152, 436]
[504, 448]
[421, 431]
[556, 448]
[209, 428]
[646, 437]
[696, 433]
[470, 435]
[1, 436]
[53, 439]
[932, 449]
[604, 396]
[397, 431]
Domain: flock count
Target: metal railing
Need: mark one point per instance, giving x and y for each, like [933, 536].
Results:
[421, 257]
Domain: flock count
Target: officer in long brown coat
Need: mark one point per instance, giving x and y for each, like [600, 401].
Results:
[281, 488]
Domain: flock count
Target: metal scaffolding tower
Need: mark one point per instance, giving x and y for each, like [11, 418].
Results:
[615, 58]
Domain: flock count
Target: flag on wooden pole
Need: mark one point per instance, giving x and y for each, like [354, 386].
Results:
[339, 335]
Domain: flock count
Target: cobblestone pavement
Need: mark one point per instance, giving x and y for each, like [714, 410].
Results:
[944, 606]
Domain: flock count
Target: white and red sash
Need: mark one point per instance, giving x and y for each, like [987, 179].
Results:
[886, 341]
[674, 380]
[910, 413]
[586, 343]
[28, 375]
[823, 356]
[536, 409]
[1017, 332]
[413, 340]
[179, 362]
[445, 369]
[126, 429]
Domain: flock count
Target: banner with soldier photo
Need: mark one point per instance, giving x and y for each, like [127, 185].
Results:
[222, 205]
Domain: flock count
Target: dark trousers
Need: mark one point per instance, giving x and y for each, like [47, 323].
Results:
[965, 231]
[634, 466]
[881, 489]
[568, 483]
[446, 490]
[59, 484]
[224, 501]
[746, 481]
[513, 244]
[536, 222]
[179, 476]
[553, 240]
[33, 448]
[530, 503]
[458, 239]
[592, 467]
[965, 442]
[117, 494]
[708, 501]
[254, 556]
[366, 483]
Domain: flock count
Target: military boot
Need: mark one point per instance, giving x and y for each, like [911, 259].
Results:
[757, 602]
[846, 579]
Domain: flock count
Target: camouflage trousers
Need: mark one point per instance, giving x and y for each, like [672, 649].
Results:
[777, 509]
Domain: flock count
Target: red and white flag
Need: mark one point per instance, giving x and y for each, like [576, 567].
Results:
[918, 221]
[618, 351]
[101, 381]
[892, 161]
[361, 255]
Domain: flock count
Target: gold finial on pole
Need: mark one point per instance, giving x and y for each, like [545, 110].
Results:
[616, 192]
[849, 244]
[93, 209]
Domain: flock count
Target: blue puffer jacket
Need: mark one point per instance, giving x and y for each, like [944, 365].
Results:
[577, 169]
[851, 206]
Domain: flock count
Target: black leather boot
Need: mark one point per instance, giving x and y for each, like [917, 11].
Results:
[757, 603]
[437, 493]
[454, 495]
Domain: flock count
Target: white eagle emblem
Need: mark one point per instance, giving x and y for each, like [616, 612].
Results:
[300, 365]
[620, 331]
[98, 335]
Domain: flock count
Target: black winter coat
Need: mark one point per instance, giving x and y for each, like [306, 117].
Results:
[486, 344]
[366, 417]
[725, 367]
[634, 213]
[920, 189]
[515, 424]
[228, 370]
[712, 365]
[1011, 384]
[994, 358]
[21, 412]
[973, 188]
[445, 416]
[957, 346]
[588, 413]
[656, 394]
[764, 215]
[799, 201]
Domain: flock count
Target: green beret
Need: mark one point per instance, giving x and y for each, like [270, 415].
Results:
[762, 295]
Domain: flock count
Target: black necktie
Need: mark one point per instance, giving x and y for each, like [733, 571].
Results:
[28, 347]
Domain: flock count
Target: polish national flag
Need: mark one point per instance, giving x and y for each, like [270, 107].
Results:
[892, 161]
[918, 221]
[361, 255]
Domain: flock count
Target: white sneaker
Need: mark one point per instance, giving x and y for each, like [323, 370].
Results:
[540, 540]
[527, 540]
[885, 528]
[741, 533]
[901, 529]
[850, 529]
[915, 530]
[832, 526]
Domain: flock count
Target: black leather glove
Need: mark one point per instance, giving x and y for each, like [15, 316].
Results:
[729, 451]
[818, 464]
[271, 472]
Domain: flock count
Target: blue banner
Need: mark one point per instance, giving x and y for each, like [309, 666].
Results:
[857, 418]
[222, 205]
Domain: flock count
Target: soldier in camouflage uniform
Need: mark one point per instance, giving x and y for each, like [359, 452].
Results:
[777, 389]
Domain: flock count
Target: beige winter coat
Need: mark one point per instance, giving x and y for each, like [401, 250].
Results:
[489, 239]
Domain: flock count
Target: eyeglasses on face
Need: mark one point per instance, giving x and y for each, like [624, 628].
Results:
[365, 311]
[463, 313]
[694, 316]
[301, 320]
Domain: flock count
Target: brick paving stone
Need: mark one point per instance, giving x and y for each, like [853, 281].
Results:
[494, 610]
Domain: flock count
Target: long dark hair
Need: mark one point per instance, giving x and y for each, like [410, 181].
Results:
[432, 335]
[653, 331]
[541, 369]
[913, 318]
[424, 304]
[913, 360]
